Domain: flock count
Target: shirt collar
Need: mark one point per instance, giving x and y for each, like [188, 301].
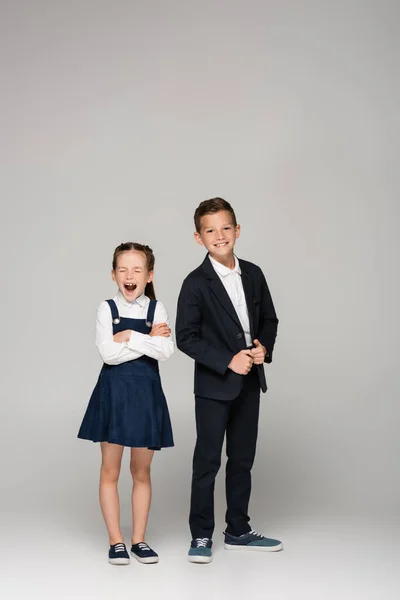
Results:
[222, 269]
[141, 300]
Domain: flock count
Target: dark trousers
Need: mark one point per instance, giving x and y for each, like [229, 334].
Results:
[239, 419]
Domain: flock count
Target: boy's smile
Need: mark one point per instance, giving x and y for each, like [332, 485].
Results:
[218, 234]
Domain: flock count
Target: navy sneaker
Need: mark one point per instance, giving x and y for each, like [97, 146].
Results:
[143, 553]
[200, 550]
[118, 555]
[251, 541]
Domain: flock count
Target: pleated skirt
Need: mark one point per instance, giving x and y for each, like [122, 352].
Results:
[128, 407]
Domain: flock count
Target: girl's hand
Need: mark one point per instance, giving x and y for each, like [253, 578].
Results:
[123, 336]
[161, 330]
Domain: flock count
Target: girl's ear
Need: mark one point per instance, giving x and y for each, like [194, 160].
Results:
[113, 274]
[150, 277]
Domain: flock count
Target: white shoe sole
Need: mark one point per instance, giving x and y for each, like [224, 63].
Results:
[119, 561]
[200, 559]
[146, 561]
[255, 548]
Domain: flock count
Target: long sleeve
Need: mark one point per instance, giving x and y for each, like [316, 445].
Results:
[188, 338]
[268, 326]
[158, 347]
[112, 353]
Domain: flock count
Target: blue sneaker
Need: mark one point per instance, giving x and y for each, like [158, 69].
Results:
[251, 541]
[118, 555]
[143, 553]
[200, 551]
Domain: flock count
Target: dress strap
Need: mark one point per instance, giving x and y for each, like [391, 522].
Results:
[114, 311]
[150, 313]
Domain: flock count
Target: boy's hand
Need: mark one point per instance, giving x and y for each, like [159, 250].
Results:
[242, 362]
[258, 353]
[161, 330]
[123, 336]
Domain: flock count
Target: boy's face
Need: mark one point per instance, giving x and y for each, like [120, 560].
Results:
[218, 234]
[131, 274]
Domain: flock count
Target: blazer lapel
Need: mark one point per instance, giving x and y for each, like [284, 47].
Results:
[248, 293]
[218, 289]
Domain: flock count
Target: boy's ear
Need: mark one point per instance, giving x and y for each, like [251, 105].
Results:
[237, 231]
[198, 239]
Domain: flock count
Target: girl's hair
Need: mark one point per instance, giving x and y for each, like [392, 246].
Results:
[208, 207]
[150, 260]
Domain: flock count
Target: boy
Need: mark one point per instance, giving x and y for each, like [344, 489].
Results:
[226, 321]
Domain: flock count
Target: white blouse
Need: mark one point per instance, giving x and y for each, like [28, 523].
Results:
[115, 353]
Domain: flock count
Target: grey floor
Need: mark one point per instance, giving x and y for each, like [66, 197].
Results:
[64, 556]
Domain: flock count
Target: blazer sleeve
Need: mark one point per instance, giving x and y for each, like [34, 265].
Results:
[268, 323]
[188, 331]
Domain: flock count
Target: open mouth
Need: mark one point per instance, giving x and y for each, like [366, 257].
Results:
[130, 287]
[222, 245]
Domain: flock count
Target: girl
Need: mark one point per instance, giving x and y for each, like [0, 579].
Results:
[128, 406]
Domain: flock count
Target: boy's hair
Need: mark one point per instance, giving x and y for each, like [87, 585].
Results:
[150, 260]
[207, 207]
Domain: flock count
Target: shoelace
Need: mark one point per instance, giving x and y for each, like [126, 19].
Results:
[201, 542]
[143, 546]
[252, 532]
[119, 548]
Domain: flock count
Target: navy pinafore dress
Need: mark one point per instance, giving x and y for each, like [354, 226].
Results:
[128, 406]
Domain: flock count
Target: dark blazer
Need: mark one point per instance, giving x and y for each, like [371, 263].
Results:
[208, 328]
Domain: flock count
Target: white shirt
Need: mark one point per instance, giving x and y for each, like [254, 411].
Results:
[232, 281]
[115, 353]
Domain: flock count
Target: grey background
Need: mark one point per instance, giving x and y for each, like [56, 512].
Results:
[118, 118]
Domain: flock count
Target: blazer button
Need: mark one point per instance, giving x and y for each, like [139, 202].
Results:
[239, 336]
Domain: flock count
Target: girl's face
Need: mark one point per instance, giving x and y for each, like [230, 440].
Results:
[131, 274]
